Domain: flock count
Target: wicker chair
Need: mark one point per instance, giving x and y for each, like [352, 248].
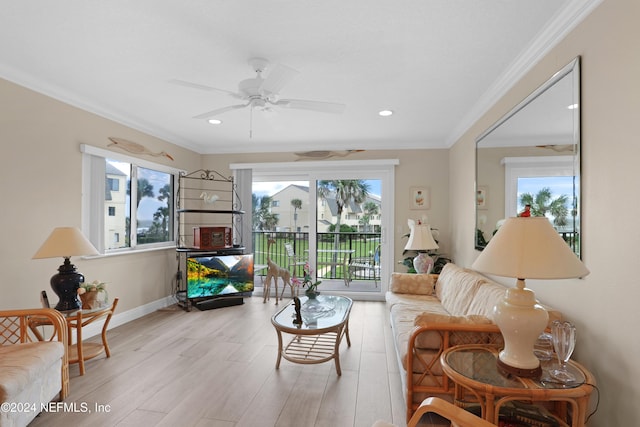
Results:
[457, 416]
[33, 369]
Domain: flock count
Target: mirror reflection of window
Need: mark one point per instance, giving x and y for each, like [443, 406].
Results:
[534, 146]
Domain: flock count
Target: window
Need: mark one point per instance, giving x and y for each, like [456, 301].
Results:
[530, 175]
[129, 202]
[113, 184]
[275, 203]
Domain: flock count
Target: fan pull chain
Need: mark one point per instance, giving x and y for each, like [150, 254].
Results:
[251, 122]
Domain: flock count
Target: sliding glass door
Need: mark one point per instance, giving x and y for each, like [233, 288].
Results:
[332, 222]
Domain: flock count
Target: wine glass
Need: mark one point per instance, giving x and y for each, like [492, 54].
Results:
[564, 341]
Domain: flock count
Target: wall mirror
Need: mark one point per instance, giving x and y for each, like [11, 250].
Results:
[532, 156]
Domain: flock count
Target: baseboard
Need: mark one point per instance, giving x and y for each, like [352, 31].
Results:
[127, 316]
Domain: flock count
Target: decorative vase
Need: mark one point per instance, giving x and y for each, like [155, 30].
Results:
[89, 300]
[312, 294]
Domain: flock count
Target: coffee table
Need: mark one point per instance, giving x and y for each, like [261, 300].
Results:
[317, 339]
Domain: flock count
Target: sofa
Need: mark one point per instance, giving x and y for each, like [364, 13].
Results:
[33, 372]
[430, 313]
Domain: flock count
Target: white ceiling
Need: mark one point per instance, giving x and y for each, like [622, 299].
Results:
[436, 63]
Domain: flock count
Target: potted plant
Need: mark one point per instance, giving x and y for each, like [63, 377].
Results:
[311, 287]
[89, 293]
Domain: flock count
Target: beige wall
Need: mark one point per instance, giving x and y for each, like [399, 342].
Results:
[41, 171]
[604, 304]
[416, 168]
[40, 175]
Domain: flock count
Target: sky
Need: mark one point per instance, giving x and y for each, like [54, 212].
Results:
[270, 188]
[559, 185]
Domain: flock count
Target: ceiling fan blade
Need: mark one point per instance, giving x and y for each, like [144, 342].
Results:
[278, 78]
[203, 87]
[219, 111]
[301, 104]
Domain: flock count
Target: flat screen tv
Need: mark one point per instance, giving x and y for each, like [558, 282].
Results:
[219, 275]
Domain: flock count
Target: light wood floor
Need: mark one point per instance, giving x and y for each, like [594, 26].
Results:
[217, 368]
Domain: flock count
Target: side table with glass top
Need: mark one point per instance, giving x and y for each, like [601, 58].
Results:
[478, 380]
[76, 320]
[317, 338]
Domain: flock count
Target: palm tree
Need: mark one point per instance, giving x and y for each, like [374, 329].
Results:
[297, 204]
[543, 203]
[162, 213]
[145, 189]
[370, 209]
[263, 219]
[345, 191]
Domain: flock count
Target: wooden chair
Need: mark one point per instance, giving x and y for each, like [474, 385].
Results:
[83, 351]
[456, 415]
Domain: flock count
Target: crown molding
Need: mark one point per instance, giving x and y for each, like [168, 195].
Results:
[553, 33]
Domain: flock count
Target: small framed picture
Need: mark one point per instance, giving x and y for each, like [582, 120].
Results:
[482, 193]
[420, 198]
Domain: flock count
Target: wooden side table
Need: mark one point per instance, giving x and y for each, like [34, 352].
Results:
[474, 371]
[77, 319]
[82, 351]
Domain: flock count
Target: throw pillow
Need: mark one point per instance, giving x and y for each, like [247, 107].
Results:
[417, 284]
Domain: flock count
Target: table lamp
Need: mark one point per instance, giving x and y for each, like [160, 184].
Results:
[525, 248]
[66, 242]
[421, 240]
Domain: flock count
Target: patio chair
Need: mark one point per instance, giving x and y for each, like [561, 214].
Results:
[293, 261]
[366, 267]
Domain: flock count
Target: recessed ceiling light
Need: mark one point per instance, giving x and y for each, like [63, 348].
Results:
[385, 113]
[572, 106]
[215, 121]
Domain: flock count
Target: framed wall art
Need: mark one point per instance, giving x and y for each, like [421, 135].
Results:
[420, 198]
[482, 193]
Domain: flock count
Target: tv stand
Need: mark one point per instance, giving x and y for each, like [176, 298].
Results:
[219, 302]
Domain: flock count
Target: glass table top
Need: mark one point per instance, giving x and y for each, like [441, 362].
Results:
[325, 311]
[479, 364]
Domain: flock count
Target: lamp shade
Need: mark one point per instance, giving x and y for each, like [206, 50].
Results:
[65, 242]
[529, 248]
[420, 238]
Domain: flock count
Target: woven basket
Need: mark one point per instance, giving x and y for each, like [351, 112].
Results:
[89, 300]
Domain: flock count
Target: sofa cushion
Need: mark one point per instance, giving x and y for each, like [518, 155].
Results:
[416, 284]
[487, 296]
[456, 288]
[412, 300]
[22, 364]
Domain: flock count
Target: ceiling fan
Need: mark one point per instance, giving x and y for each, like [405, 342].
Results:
[263, 93]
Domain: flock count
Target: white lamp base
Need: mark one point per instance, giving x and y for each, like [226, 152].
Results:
[423, 263]
[521, 320]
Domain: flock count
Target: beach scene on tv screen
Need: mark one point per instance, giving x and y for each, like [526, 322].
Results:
[209, 276]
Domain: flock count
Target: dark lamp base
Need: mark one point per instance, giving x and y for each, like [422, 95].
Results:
[65, 284]
[518, 372]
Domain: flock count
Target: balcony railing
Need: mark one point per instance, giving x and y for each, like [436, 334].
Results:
[333, 261]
